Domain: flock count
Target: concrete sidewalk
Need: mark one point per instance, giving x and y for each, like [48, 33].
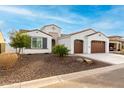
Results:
[112, 79]
[108, 79]
[111, 76]
[105, 57]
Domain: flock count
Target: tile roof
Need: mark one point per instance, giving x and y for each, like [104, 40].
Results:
[68, 35]
[50, 25]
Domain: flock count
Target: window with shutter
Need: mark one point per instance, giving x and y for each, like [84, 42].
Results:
[36, 42]
[44, 43]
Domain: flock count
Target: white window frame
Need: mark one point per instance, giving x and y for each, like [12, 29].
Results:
[36, 47]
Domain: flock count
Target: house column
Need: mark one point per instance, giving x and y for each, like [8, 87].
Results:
[88, 46]
[107, 46]
[72, 46]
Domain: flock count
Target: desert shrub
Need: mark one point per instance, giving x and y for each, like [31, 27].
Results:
[8, 60]
[60, 50]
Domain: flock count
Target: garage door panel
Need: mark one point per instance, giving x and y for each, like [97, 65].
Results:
[97, 47]
[78, 46]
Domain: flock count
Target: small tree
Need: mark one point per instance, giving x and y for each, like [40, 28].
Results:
[60, 50]
[19, 40]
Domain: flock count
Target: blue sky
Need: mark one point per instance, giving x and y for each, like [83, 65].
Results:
[106, 19]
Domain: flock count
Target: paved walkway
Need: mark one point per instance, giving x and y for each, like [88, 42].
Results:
[105, 57]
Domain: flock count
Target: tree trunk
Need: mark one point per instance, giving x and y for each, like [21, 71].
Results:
[19, 50]
[16, 50]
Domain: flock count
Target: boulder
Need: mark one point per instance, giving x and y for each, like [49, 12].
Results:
[80, 60]
[88, 61]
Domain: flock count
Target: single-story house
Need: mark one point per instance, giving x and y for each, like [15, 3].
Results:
[2, 43]
[116, 43]
[86, 41]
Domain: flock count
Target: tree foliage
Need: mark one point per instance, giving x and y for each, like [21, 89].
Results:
[19, 40]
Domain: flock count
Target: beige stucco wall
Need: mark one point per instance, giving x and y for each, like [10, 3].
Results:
[81, 36]
[2, 43]
[2, 47]
[1, 38]
[98, 37]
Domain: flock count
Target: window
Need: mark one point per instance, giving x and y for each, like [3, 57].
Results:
[36, 42]
[39, 42]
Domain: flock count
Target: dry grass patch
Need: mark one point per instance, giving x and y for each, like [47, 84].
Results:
[8, 60]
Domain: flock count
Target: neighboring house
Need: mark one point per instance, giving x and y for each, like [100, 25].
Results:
[86, 41]
[116, 43]
[2, 43]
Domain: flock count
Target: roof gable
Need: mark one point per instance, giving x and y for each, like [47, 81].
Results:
[83, 31]
[95, 34]
[34, 30]
[68, 35]
[50, 25]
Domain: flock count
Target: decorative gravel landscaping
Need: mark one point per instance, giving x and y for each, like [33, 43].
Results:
[44, 65]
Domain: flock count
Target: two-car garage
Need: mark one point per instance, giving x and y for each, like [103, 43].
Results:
[96, 46]
[93, 43]
[86, 42]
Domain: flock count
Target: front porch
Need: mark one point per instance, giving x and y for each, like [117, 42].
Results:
[115, 46]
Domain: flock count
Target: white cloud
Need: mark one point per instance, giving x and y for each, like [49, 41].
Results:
[63, 15]
[110, 22]
[16, 10]
[70, 19]
[106, 24]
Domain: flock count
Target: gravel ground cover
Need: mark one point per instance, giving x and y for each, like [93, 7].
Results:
[37, 66]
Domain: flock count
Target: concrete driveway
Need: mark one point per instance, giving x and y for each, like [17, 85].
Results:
[105, 57]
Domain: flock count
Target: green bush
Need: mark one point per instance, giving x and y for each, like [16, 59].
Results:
[60, 50]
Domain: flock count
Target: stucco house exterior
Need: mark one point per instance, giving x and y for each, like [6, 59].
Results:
[116, 43]
[41, 42]
[86, 41]
[2, 43]
[54, 31]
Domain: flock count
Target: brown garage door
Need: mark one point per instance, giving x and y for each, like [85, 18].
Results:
[78, 46]
[97, 47]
